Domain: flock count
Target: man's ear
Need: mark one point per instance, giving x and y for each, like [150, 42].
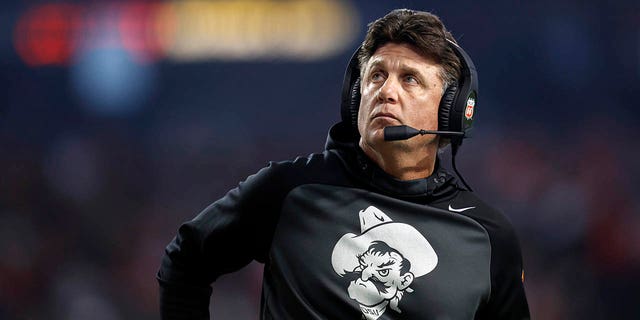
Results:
[405, 280]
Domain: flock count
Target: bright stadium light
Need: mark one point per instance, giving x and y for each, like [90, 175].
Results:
[189, 30]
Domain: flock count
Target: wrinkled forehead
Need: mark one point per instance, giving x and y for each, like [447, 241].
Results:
[402, 56]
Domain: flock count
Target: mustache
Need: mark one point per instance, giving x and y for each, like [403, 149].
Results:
[355, 275]
[351, 275]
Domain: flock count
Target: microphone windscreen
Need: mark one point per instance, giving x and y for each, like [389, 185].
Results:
[393, 133]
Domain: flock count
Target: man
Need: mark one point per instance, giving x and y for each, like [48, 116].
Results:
[370, 228]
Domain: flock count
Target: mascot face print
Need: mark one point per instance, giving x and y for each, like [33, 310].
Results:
[383, 261]
[383, 274]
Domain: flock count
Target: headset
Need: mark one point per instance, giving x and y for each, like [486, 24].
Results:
[456, 111]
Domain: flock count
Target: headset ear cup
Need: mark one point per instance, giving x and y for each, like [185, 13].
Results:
[354, 104]
[444, 111]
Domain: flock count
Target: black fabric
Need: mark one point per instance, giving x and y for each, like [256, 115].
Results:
[179, 301]
[507, 291]
[291, 214]
[313, 233]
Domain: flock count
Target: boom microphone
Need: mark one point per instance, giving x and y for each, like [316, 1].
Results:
[393, 133]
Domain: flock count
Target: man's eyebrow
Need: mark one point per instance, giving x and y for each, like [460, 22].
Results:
[404, 67]
[388, 263]
[375, 63]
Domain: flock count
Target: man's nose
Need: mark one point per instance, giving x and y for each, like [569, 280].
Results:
[365, 275]
[388, 92]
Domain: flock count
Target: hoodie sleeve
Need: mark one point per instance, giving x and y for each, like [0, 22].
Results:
[223, 238]
[507, 300]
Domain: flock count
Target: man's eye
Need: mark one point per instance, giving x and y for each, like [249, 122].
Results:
[383, 272]
[376, 76]
[411, 79]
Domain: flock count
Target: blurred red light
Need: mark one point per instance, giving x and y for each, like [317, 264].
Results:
[43, 35]
[138, 31]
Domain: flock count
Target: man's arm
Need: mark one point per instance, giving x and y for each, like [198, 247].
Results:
[223, 238]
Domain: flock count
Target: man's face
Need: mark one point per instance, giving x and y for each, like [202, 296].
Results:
[399, 87]
[380, 278]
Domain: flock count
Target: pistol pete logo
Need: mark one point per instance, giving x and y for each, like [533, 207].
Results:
[381, 262]
[468, 112]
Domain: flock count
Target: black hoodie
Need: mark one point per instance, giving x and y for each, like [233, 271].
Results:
[342, 239]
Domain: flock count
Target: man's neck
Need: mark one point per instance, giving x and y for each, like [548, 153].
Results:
[404, 165]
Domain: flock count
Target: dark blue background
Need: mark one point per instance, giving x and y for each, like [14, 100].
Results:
[89, 200]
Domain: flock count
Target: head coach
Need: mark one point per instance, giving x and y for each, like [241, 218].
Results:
[374, 227]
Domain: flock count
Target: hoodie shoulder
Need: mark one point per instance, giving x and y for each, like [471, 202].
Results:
[507, 299]
[315, 168]
[493, 220]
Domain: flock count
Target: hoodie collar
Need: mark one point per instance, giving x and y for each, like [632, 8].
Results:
[440, 183]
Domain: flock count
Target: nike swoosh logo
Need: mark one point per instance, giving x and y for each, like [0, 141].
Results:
[460, 210]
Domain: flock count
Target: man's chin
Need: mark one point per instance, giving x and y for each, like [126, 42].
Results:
[376, 137]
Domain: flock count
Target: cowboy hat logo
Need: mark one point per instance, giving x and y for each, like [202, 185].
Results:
[383, 261]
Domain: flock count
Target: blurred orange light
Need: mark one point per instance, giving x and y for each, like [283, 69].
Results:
[43, 35]
[186, 30]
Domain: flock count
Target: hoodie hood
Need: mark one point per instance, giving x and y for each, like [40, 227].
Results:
[440, 184]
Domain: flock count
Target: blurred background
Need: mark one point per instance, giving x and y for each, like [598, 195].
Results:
[121, 120]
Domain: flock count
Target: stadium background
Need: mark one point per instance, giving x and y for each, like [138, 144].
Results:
[120, 120]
